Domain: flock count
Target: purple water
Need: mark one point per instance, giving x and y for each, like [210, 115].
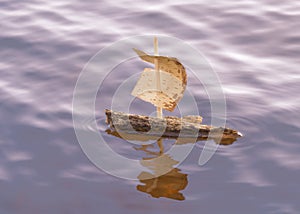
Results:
[253, 46]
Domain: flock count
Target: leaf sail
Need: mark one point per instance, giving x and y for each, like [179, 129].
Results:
[173, 82]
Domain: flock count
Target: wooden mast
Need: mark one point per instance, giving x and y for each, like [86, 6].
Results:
[158, 87]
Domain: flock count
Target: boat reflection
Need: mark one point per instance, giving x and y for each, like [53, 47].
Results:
[164, 180]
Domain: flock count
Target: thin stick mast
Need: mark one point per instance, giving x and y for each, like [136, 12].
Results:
[158, 87]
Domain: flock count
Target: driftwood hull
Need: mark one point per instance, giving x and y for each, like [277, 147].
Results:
[187, 128]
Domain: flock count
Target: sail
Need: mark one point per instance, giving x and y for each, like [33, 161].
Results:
[173, 82]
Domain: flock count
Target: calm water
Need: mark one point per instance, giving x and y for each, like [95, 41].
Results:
[254, 46]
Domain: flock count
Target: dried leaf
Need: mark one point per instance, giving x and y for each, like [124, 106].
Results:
[171, 89]
[173, 82]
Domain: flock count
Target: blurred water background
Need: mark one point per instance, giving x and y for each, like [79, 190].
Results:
[253, 46]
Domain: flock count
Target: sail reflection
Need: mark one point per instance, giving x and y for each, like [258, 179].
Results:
[167, 185]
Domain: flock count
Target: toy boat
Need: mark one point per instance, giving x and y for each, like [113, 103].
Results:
[163, 87]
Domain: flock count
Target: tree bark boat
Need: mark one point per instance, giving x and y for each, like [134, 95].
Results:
[188, 127]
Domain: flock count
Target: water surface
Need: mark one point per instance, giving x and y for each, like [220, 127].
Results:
[253, 46]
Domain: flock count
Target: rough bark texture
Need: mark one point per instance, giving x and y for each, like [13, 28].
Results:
[170, 127]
